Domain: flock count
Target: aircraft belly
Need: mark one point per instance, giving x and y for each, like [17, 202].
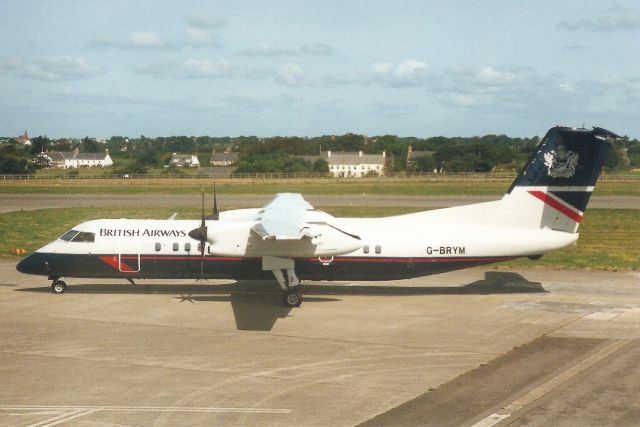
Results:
[188, 267]
[380, 269]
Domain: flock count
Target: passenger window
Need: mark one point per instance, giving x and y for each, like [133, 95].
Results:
[158, 246]
[365, 249]
[69, 235]
[84, 237]
[187, 247]
[378, 249]
[176, 247]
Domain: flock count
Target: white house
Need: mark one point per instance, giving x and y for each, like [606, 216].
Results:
[352, 164]
[76, 159]
[184, 160]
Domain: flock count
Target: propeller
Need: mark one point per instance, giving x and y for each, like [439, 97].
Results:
[200, 233]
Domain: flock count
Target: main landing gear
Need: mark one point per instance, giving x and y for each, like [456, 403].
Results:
[290, 284]
[58, 286]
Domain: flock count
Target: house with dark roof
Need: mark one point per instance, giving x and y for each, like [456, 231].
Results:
[223, 159]
[76, 159]
[414, 155]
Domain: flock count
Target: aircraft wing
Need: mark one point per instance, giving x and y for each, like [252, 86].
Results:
[284, 218]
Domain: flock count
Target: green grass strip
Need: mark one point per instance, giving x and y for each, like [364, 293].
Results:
[329, 187]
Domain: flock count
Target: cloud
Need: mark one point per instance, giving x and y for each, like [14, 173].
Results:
[263, 49]
[290, 75]
[266, 50]
[201, 31]
[198, 37]
[318, 49]
[493, 77]
[622, 21]
[409, 73]
[146, 39]
[189, 69]
[53, 68]
[135, 40]
[487, 86]
[121, 97]
[575, 47]
[566, 87]
[11, 64]
[204, 69]
[243, 102]
[466, 100]
[206, 22]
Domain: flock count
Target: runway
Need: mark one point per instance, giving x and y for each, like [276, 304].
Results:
[17, 202]
[477, 347]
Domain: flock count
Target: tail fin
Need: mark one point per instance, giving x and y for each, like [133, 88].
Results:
[554, 188]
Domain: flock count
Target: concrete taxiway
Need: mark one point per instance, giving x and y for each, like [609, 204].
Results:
[17, 202]
[478, 347]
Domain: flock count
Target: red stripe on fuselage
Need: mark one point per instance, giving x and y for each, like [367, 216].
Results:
[408, 260]
[565, 210]
[112, 260]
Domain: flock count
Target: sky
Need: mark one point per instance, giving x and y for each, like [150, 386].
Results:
[310, 68]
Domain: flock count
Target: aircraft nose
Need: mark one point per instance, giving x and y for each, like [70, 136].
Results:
[33, 264]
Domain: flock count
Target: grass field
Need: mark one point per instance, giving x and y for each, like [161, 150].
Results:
[609, 239]
[405, 187]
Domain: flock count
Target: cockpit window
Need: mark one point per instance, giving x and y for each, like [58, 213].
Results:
[69, 235]
[84, 237]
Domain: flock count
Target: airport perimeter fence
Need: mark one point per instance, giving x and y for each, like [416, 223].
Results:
[444, 176]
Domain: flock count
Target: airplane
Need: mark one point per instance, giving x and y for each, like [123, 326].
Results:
[291, 241]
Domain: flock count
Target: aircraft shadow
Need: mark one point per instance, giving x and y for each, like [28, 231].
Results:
[495, 282]
[256, 304]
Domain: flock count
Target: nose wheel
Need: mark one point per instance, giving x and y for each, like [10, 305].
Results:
[58, 287]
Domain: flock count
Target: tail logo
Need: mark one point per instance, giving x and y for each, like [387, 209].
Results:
[561, 163]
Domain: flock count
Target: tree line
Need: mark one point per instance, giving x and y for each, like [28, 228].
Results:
[282, 154]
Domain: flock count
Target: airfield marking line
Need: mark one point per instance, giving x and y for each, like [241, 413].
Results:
[77, 409]
[62, 418]
[73, 415]
[554, 382]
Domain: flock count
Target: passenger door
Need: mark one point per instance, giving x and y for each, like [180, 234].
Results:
[129, 262]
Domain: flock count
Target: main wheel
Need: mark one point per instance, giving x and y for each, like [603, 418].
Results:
[292, 298]
[58, 287]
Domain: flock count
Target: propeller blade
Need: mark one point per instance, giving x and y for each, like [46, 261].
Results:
[200, 233]
[203, 229]
[216, 213]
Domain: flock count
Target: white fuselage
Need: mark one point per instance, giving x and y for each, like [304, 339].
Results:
[375, 248]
